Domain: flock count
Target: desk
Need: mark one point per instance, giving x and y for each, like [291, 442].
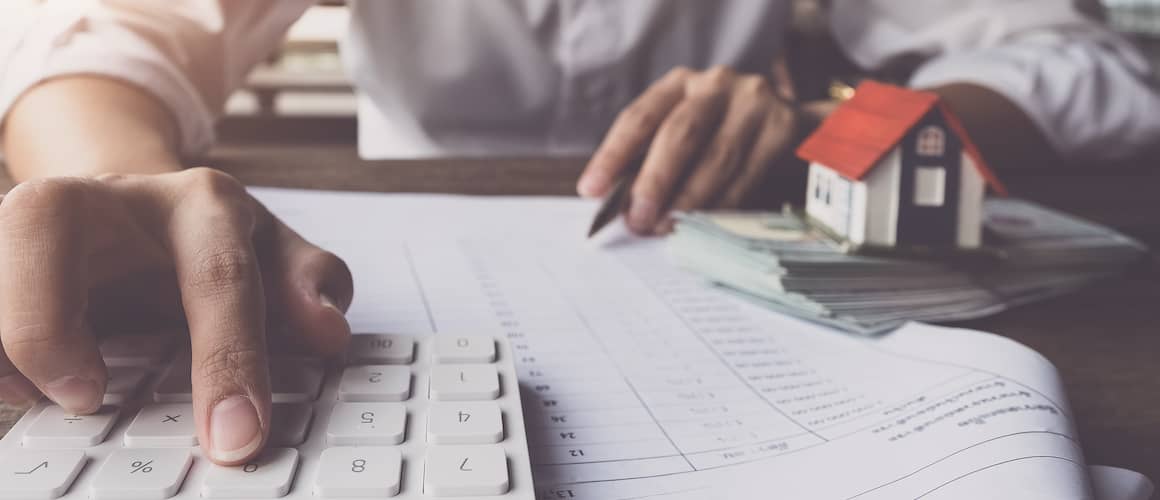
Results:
[1104, 340]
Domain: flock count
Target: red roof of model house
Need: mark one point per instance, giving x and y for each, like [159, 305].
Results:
[856, 136]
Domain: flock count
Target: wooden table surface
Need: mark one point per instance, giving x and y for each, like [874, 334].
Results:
[1103, 340]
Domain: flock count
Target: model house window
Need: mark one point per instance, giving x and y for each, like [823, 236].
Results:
[930, 186]
[817, 186]
[931, 141]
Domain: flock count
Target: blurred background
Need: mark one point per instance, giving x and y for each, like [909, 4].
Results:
[298, 109]
[306, 78]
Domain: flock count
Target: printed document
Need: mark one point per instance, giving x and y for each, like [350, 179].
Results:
[640, 380]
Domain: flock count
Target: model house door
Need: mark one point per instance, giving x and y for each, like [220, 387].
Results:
[929, 185]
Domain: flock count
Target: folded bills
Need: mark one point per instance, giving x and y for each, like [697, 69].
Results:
[779, 261]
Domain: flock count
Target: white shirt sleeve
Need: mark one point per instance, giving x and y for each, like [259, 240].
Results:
[1089, 91]
[190, 54]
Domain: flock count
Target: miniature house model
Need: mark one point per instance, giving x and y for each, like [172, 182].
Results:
[893, 168]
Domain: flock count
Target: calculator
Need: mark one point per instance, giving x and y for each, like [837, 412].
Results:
[404, 417]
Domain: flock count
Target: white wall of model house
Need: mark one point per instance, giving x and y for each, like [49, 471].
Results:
[865, 212]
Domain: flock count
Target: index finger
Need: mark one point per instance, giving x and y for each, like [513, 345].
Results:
[210, 233]
[631, 132]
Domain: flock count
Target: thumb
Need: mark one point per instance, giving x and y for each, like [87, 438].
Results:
[309, 290]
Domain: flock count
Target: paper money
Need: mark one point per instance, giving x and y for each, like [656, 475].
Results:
[776, 259]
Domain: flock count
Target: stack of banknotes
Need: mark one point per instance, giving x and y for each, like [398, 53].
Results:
[1030, 253]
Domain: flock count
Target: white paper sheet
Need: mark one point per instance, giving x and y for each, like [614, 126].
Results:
[639, 381]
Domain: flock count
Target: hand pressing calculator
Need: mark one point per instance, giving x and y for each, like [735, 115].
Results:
[406, 417]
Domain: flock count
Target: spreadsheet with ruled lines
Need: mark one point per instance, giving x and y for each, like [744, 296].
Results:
[641, 381]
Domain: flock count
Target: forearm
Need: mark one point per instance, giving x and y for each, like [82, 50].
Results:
[88, 125]
[1004, 134]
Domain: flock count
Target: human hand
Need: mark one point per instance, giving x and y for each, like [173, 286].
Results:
[79, 255]
[708, 138]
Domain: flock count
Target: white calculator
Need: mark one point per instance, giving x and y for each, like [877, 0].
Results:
[405, 417]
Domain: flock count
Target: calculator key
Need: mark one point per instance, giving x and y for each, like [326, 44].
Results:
[375, 383]
[289, 423]
[464, 382]
[39, 474]
[56, 428]
[454, 471]
[162, 426]
[123, 383]
[175, 385]
[374, 348]
[453, 349]
[141, 474]
[138, 350]
[464, 423]
[366, 423]
[358, 472]
[268, 476]
[295, 380]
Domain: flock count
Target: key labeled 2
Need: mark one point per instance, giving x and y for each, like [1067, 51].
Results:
[375, 383]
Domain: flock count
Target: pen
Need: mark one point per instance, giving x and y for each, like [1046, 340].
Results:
[617, 200]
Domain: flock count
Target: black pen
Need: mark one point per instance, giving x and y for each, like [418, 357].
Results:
[617, 200]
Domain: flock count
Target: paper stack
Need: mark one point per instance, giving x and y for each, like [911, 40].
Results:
[1031, 253]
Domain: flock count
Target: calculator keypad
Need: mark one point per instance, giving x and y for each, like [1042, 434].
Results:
[358, 472]
[404, 417]
[165, 425]
[141, 473]
[268, 476]
[39, 473]
[464, 382]
[366, 423]
[56, 428]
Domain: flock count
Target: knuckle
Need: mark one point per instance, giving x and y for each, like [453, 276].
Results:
[637, 117]
[44, 205]
[719, 75]
[753, 86]
[56, 192]
[110, 178]
[214, 184]
[216, 270]
[36, 343]
[680, 72]
[228, 361]
[24, 340]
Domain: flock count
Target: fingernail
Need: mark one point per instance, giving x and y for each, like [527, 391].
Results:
[75, 394]
[587, 187]
[640, 215]
[17, 391]
[328, 302]
[234, 431]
